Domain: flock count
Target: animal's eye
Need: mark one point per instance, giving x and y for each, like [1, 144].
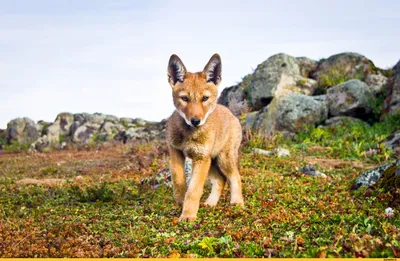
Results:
[185, 98]
[205, 98]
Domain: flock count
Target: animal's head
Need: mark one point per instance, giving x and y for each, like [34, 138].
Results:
[194, 94]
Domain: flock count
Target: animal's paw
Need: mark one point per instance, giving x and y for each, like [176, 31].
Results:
[186, 219]
[210, 203]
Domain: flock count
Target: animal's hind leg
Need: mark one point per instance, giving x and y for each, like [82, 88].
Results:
[228, 164]
[218, 183]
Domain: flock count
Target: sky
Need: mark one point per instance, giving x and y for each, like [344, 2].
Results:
[111, 56]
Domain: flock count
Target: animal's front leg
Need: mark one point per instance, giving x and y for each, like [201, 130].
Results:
[177, 162]
[195, 190]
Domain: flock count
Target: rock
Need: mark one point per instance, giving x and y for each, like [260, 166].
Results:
[279, 75]
[393, 141]
[342, 120]
[164, 176]
[149, 132]
[80, 118]
[292, 113]
[111, 118]
[60, 127]
[41, 145]
[312, 171]
[111, 128]
[84, 133]
[42, 126]
[306, 66]
[96, 118]
[370, 177]
[139, 121]
[279, 152]
[23, 131]
[234, 98]
[3, 136]
[351, 98]
[347, 65]
[126, 121]
[392, 101]
[262, 152]
[376, 83]
[251, 120]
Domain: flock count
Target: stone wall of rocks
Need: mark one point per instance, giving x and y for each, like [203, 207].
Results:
[80, 129]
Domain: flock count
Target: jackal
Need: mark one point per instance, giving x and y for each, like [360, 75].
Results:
[204, 131]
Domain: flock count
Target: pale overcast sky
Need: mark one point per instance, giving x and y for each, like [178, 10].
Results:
[111, 56]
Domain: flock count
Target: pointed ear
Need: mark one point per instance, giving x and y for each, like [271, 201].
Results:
[176, 70]
[213, 69]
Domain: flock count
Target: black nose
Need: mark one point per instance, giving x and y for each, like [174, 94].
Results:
[195, 121]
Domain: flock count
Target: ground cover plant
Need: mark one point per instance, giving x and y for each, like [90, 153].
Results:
[97, 205]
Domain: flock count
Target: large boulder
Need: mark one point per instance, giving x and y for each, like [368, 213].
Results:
[235, 99]
[84, 133]
[351, 98]
[376, 83]
[60, 128]
[149, 132]
[346, 65]
[22, 131]
[306, 66]
[111, 118]
[279, 75]
[110, 128]
[41, 145]
[393, 142]
[291, 113]
[392, 100]
[96, 118]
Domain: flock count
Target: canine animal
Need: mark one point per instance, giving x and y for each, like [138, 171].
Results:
[204, 131]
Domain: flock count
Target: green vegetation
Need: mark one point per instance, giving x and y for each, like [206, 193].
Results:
[15, 147]
[335, 76]
[331, 78]
[104, 210]
[352, 139]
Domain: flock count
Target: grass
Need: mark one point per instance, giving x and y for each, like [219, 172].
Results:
[352, 139]
[103, 209]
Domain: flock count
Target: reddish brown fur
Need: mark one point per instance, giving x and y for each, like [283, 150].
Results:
[213, 147]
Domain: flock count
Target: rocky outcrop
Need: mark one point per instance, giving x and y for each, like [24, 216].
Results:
[376, 83]
[279, 75]
[393, 142]
[352, 98]
[235, 99]
[306, 66]
[291, 113]
[60, 128]
[392, 101]
[80, 129]
[22, 131]
[348, 65]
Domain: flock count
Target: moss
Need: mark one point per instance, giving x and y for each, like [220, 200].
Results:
[390, 183]
[301, 82]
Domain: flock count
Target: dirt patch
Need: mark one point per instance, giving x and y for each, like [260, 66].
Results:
[47, 182]
[332, 164]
